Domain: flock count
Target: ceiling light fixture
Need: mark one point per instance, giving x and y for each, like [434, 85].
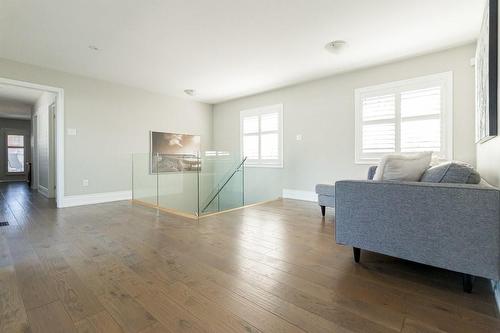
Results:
[335, 46]
[189, 92]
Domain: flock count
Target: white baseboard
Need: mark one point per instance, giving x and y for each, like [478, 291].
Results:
[43, 191]
[95, 198]
[300, 195]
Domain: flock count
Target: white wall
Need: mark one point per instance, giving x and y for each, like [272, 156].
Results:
[112, 121]
[323, 112]
[488, 165]
[488, 160]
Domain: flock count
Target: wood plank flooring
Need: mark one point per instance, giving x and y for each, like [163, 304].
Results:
[272, 268]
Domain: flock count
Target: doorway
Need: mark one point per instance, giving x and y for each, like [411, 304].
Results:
[43, 159]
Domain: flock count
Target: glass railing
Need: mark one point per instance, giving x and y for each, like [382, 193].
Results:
[144, 179]
[195, 185]
[228, 188]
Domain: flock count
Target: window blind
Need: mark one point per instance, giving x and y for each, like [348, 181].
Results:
[379, 127]
[421, 120]
[405, 116]
[261, 136]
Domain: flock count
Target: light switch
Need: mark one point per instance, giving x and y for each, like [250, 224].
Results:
[298, 137]
[85, 182]
[71, 131]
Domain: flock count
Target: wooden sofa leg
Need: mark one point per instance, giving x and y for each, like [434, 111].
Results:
[357, 254]
[468, 282]
[323, 210]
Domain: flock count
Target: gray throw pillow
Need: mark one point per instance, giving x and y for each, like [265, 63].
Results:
[451, 172]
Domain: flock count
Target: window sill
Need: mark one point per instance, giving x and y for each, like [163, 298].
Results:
[377, 161]
[264, 166]
[367, 162]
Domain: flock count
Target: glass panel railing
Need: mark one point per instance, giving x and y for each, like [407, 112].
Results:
[262, 184]
[198, 185]
[216, 181]
[144, 179]
[232, 195]
[178, 183]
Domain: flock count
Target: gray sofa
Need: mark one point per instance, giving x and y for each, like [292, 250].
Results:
[451, 226]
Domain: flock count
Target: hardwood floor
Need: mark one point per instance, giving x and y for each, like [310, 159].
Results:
[271, 268]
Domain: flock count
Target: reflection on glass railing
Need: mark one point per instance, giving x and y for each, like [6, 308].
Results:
[144, 181]
[194, 185]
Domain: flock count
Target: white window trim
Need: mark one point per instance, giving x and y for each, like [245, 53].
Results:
[257, 112]
[18, 132]
[443, 79]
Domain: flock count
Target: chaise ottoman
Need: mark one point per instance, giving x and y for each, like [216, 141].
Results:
[326, 196]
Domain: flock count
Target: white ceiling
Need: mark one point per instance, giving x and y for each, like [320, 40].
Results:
[227, 48]
[19, 94]
[17, 102]
[15, 110]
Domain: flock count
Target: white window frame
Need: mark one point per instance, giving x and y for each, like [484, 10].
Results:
[14, 132]
[277, 108]
[444, 80]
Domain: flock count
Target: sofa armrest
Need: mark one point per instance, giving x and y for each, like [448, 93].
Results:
[453, 226]
[371, 172]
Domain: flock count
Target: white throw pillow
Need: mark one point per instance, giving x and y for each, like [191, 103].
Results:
[404, 167]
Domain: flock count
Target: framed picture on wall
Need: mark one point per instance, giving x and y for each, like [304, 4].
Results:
[487, 75]
[173, 152]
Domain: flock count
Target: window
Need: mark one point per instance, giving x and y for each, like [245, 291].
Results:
[15, 153]
[262, 136]
[403, 117]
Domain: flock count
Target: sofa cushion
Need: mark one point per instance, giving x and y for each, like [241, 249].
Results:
[451, 172]
[403, 167]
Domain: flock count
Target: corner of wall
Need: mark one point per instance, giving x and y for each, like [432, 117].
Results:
[212, 126]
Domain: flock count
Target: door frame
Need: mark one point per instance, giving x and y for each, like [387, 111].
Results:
[59, 130]
[52, 151]
[34, 153]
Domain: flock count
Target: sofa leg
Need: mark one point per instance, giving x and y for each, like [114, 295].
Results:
[357, 253]
[323, 210]
[468, 282]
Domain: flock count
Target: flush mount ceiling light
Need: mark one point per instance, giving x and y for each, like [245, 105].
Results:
[189, 92]
[94, 48]
[335, 46]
